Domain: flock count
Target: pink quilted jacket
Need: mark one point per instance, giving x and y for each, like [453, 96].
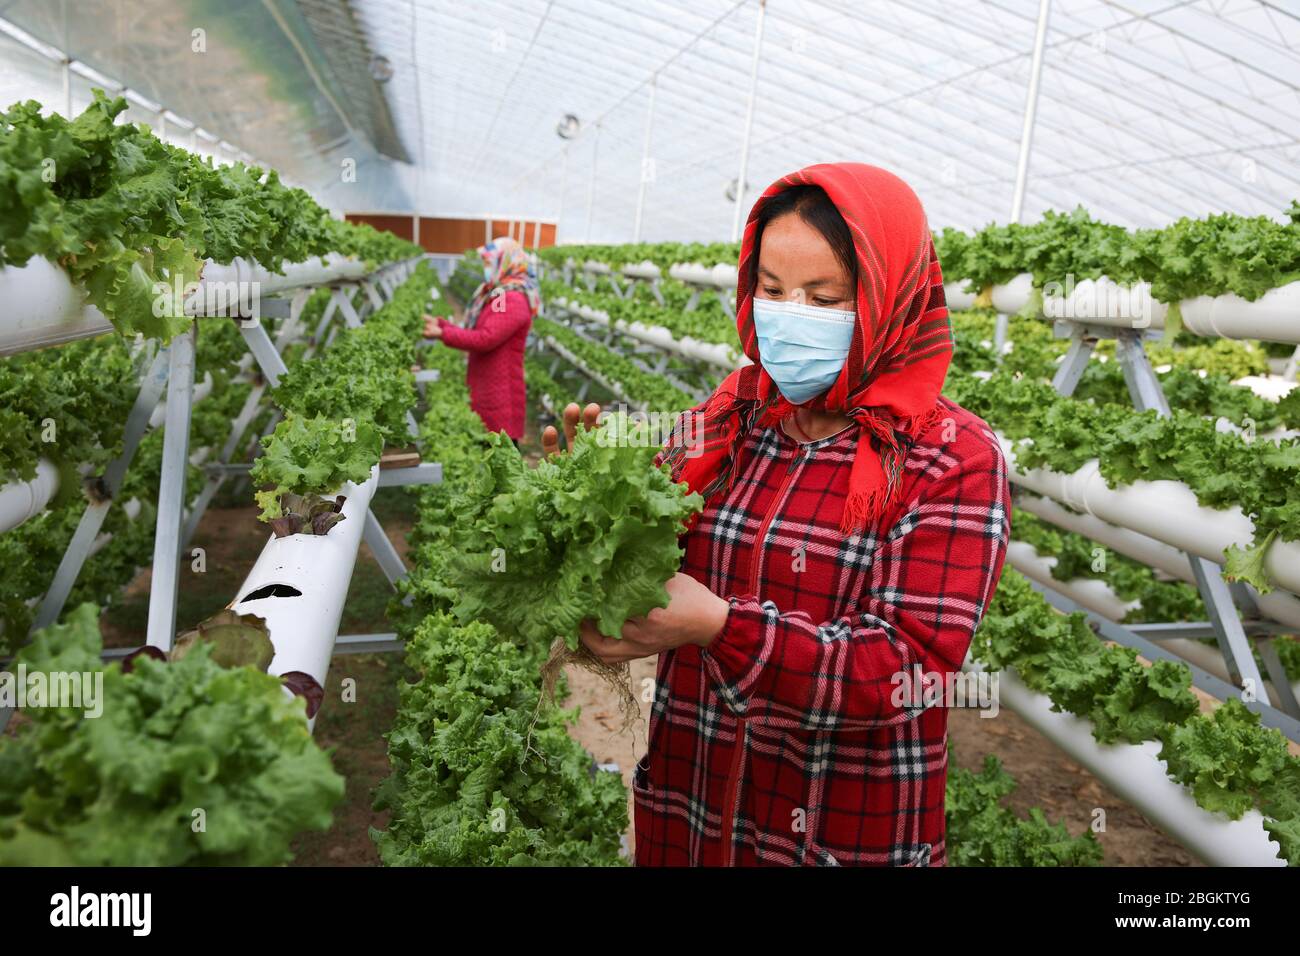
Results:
[496, 362]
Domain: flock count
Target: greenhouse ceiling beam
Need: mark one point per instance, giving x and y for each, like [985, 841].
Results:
[69, 64]
[1171, 209]
[1286, 63]
[748, 128]
[1174, 119]
[1003, 103]
[645, 161]
[657, 71]
[505, 93]
[1008, 105]
[982, 211]
[310, 67]
[936, 143]
[1031, 110]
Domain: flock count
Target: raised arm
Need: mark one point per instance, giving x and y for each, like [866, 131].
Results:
[495, 325]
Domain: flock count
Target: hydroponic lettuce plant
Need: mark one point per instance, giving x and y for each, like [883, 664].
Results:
[1228, 761]
[591, 533]
[189, 763]
[122, 211]
[982, 832]
[480, 778]
[1232, 764]
[365, 373]
[313, 456]
[1191, 257]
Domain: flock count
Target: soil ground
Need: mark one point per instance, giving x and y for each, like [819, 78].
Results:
[232, 537]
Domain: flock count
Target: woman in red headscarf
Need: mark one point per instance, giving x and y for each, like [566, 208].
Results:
[853, 533]
[497, 320]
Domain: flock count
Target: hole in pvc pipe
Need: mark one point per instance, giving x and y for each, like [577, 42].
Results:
[271, 590]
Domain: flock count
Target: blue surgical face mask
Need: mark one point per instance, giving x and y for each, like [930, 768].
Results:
[803, 347]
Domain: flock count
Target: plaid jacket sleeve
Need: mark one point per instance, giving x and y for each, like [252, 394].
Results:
[929, 584]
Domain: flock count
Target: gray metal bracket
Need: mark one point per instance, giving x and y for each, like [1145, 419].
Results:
[152, 384]
[1075, 363]
[1147, 395]
[164, 585]
[1270, 716]
[727, 305]
[1143, 386]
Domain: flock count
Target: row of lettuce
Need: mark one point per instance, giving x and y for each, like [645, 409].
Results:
[1226, 253]
[202, 758]
[1228, 760]
[481, 773]
[121, 210]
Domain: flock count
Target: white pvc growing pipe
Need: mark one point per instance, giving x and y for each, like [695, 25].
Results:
[1136, 774]
[1092, 593]
[1165, 510]
[721, 276]
[20, 500]
[1281, 606]
[711, 352]
[245, 272]
[1105, 302]
[303, 628]
[1274, 316]
[1014, 295]
[1272, 388]
[957, 298]
[43, 307]
[642, 270]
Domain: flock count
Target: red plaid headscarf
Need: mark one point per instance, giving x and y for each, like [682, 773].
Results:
[897, 360]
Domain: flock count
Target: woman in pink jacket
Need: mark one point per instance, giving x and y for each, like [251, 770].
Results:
[496, 327]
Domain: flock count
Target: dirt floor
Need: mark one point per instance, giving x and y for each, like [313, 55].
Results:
[232, 537]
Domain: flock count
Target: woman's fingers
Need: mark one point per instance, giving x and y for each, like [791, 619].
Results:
[608, 649]
[550, 441]
[571, 414]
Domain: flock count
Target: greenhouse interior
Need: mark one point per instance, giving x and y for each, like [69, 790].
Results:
[597, 433]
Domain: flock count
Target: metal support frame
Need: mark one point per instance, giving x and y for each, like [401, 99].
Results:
[165, 583]
[727, 305]
[172, 369]
[390, 562]
[1270, 716]
[1225, 621]
[74, 558]
[1076, 360]
[217, 476]
[1143, 386]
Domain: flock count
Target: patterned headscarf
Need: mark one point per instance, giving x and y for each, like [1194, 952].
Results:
[507, 267]
[897, 360]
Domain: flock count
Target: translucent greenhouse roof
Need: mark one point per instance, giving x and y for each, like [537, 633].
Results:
[1148, 109]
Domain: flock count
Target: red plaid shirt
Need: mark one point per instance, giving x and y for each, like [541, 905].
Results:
[781, 743]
